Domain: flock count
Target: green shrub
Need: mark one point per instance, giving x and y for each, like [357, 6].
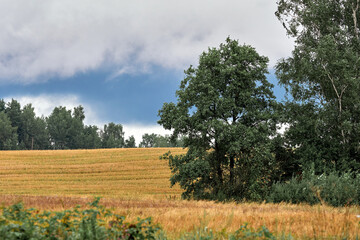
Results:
[98, 223]
[19, 223]
[336, 189]
[244, 232]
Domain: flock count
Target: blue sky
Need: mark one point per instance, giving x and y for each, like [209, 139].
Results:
[122, 60]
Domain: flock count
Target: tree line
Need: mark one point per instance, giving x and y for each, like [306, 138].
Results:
[227, 111]
[21, 129]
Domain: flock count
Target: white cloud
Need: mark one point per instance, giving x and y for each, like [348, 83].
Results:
[44, 105]
[137, 130]
[49, 37]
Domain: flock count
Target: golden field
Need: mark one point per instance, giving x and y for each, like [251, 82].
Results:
[135, 183]
[104, 172]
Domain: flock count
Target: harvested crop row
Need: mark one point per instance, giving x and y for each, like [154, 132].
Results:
[100, 172]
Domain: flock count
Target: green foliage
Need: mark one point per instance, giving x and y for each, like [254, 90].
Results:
[96, 222]
[76, 130]
[13, 111]
[30, 131]
[67, 131]
[16, 222]
[191, 173]
[203, 232]
[113, 136]
[156, 140]
[167, 141]
[60, 124]
[2, 105]
[322, 76]
[8, 136]
[148, 140]
[15, 114]
[90, 138]
[130, 142]
[21, 129]
[336, 189]
[34, 134]
[244, 232]
[225, 111]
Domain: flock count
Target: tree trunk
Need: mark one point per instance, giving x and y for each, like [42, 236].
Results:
[218, 164]
[232, 164]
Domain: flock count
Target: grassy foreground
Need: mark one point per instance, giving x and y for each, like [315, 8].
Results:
[134, 182]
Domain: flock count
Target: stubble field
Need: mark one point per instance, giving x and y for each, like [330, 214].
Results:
[135, 183]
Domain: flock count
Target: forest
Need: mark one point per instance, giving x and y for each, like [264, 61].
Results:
[21, 129]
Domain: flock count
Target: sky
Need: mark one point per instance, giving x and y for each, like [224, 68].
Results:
[121, 60]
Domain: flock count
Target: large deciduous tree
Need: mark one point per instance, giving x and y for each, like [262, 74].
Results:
[8, 136]
[113, 136]
[90, 137]
[60, 124]
[41, 134]
[66, 129]
[34, 134]
[26, 138]
[225, 110]
[77, 128]
[148, 140]
[130, 142]
[323, 75]
[13, 111]
[2, 105]
[157, 140]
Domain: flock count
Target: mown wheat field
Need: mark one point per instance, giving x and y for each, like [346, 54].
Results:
[105, 172]
[135, 183]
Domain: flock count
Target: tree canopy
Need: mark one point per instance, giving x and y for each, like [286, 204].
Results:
[157, 140]
[8, 136]
[113, 136]
[323, 75]
[64, 128]
[225, 110]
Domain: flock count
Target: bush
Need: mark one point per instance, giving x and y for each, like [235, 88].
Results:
[19, 223]
[335, 189]
[98, 223]
[244, 232]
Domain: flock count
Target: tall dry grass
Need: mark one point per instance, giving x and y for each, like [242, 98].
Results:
[134, 182]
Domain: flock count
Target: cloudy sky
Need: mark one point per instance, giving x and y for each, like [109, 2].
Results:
[121, 59]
